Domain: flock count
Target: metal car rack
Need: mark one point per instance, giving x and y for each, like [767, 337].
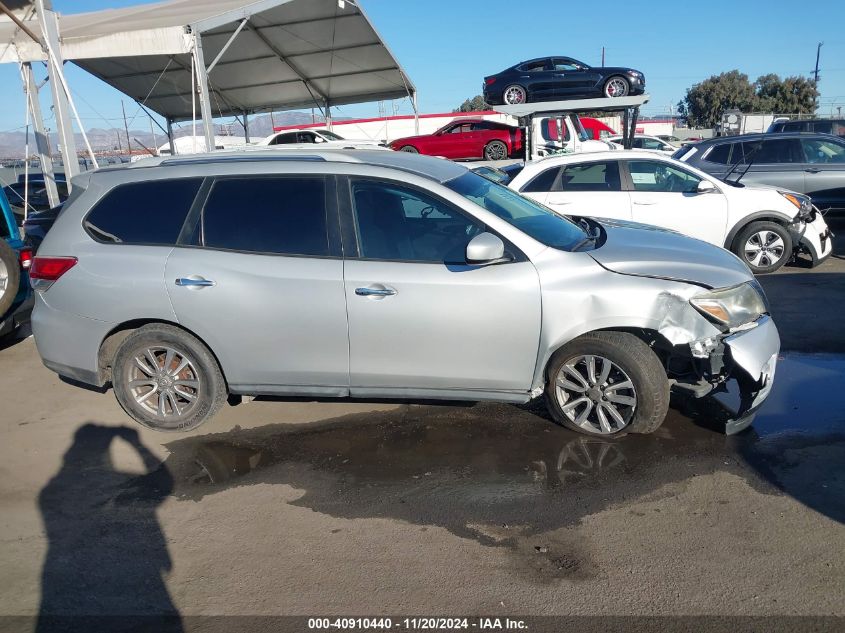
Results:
[525, 113]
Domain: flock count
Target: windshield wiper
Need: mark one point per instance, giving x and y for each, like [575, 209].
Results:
[590, 239]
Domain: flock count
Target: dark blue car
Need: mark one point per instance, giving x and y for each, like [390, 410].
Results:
[15, 259]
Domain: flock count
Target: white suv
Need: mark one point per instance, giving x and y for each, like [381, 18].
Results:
[764, 226]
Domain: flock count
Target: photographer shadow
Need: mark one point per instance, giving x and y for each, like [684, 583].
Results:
[106, 553]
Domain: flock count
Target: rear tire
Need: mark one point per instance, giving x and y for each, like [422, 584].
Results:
[495, 150]
[514, 95]
[10, 276]
[624, 391]
[166, 379]
[764, 246]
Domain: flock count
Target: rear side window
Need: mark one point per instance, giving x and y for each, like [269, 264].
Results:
[719, 154]
[283, 216]
[150, 212]
[591, 177]
[786, 150]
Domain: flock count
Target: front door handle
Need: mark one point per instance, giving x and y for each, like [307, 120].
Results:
[644, 202]
[195, 281]
[375, 292]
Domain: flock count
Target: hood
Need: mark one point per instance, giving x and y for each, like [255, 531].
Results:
[647, 251]
[616, 69]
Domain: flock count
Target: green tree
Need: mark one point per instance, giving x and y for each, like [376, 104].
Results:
[472, 105]
[705, 102]
[787, 96]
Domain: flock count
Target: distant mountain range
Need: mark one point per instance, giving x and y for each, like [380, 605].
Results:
[13, 144]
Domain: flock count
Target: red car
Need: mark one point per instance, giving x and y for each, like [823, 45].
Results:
[466, 138]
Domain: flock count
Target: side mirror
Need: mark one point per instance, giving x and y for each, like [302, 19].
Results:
[486, 248]
[705, 186]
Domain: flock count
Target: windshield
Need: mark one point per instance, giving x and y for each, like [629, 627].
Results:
[331, 135]
[530, 217]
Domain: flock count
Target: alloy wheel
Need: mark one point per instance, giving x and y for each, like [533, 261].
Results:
[596, 394]
[764, 248]
[514, 95]
[496, 151]
[616, 87]
[164, 382]
[4, 278]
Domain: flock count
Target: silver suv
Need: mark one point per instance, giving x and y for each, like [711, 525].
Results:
[385, 275]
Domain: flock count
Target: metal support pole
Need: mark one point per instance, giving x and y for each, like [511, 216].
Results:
[246, 126]
[41, 140]
[626, 142]
[328, 111]
[635, 113]
[416, 115]
[205, 98]
[170, 137]
[64, 124]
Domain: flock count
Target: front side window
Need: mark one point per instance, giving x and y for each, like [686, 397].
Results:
[591, 177]
[530, 217]
[460, 129]
[822, 151]
[650, 143]
[150, 212]
[785, 150]
[283, 216]
[657, 176]
[399, 223]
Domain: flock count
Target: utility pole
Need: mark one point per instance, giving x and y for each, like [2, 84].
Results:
[816, 73]
[126, 128]
[602, 56]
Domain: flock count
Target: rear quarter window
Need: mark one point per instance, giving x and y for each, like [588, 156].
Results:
[150, 212]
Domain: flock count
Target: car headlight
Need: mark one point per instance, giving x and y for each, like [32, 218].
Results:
[732, 307]
[801, 202]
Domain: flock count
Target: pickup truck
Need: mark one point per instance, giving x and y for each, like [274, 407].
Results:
[16, 297]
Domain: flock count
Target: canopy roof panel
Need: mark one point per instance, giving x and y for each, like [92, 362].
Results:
[288, 54]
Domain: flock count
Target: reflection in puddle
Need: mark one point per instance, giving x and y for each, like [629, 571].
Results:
[499, 465]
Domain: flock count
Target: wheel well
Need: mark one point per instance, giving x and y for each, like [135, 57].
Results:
[112, 340]
[763, 216]
[658, 343]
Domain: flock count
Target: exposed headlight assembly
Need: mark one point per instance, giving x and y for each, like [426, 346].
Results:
[732, 307]
[801, 202]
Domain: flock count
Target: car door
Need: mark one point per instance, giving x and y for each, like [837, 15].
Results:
[421, 320]
[663, 194]
[260, 279]
[454, 142]
[571, 79]
[590, 188]
[824, 173]
[774, 161]
[540, 80]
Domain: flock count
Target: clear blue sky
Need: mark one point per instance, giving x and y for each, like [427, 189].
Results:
[447, 47]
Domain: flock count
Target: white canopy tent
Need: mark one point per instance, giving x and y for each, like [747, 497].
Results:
[225, 57]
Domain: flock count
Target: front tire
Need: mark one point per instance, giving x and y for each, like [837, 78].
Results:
[166, 379]
[764, 246]
[617, 86]
[410, 149]
[608, 384]
[495, 150]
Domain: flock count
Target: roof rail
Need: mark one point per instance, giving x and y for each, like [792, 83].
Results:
[240, 159]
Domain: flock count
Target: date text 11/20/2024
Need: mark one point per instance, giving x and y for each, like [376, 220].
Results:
[417, 624]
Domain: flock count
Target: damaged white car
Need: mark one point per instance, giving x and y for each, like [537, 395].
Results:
[765, 226]
[386, 275]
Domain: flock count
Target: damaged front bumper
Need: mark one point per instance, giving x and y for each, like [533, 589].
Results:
[815, 239]
[735, 371]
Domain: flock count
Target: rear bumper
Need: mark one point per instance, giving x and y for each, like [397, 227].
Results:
[68, 343]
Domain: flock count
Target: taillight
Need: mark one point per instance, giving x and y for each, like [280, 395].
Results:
[26, 258]
[489, 80]
[50, 268]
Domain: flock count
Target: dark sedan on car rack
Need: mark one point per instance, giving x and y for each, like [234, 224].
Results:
[557, 79]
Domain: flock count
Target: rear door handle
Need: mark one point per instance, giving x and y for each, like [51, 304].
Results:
[375, 292]
[812, 170]
[195, 281]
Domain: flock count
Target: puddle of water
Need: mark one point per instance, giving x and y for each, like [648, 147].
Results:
[502, 465]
